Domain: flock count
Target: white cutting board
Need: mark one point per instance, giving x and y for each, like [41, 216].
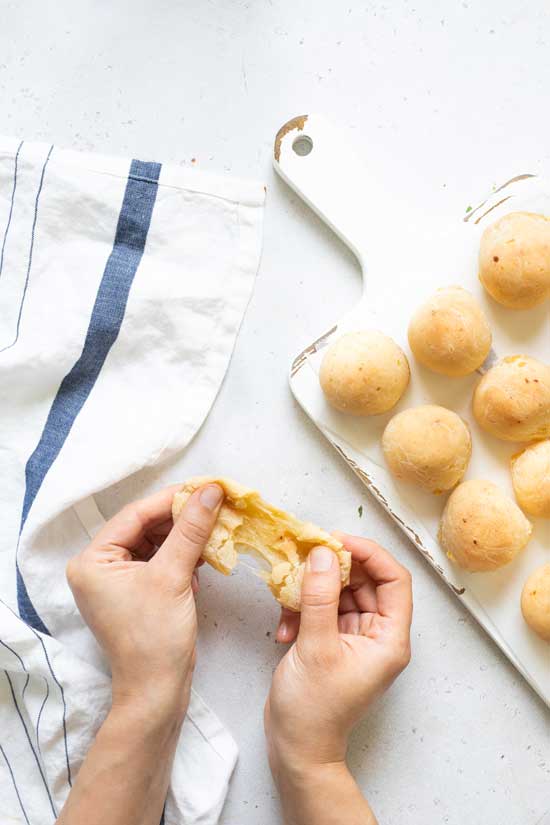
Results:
[404, 259]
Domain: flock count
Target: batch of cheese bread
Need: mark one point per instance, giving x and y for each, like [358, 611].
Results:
[365, 373]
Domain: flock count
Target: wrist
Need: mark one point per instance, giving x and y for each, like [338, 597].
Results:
[151, 722]
[301, 758]
[323, 792]
[309, 773]
[157, 702]
[300, 782]
[303, 769]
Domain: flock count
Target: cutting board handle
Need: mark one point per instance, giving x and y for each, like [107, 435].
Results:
[314, 158]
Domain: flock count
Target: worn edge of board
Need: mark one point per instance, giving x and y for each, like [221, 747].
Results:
[294, 124]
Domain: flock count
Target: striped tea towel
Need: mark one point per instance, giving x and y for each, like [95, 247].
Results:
[122, 288]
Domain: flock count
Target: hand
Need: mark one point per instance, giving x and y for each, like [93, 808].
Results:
[134, 586]
[349, 647]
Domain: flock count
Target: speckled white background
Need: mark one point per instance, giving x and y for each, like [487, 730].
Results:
[446, 98]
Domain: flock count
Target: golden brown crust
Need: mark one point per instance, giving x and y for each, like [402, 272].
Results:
[512, 400]
[450, 334]
[535, 602]
[481, 528]
[531, 478]
[247, 524]
[429, 446]
[364, 373]
[514, 260]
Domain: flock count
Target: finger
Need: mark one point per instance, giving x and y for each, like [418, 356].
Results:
[360, 594]
[187, 540]
[320, 598]
[392, 580]
[365, 623]
[349, 623]
[144, 550]
[158, 533]
[195, 583]
[347, 602]
[129, 526]
[363, 588]
[288, 626]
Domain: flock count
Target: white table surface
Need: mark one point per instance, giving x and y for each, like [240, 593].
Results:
[446, 98]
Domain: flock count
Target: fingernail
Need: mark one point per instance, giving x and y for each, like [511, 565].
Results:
[211, 496]
[283, 628]
[320, 559]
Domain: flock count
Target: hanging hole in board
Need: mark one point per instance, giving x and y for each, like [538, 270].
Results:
[302, 145]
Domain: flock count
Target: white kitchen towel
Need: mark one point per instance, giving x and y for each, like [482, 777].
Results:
[122, 288]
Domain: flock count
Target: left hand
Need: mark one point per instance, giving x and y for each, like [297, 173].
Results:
[349, 647]
[134, 586]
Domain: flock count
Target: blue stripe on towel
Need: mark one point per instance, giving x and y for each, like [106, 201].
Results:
[8, 224]
[57, 682]
[21, 662]
[64, 719]
[31, 250]
[106, 319]
[36, 759]
[42, 706]
[2, 751]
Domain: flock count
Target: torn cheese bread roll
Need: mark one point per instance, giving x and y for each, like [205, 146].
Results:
[247, 524]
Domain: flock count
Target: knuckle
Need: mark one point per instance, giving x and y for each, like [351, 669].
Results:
[318, 598]
[132, 510]
[193, 531]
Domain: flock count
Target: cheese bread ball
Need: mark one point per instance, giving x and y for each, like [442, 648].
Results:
[512, 401]
[364, 373]
[481, 528]
[531, 479]
[535, 602]
[449, 334]
[514, 260]
[429, 446]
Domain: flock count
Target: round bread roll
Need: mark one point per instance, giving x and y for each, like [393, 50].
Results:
[429, 446]
[481, 528]
[531, 479]
[364, 373]
[535, 602]
[449, 334]
[512, 401]
[514, 260]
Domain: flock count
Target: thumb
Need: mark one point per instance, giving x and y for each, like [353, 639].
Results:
[320, 598]
[185, 544]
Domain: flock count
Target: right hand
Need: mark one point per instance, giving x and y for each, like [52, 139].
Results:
[349, 648]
